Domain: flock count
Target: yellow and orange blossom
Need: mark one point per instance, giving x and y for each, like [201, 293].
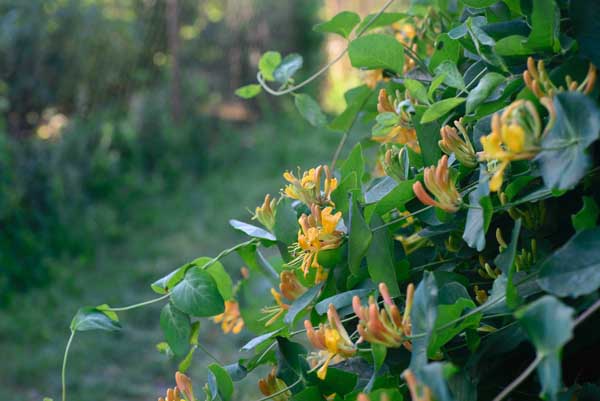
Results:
[332, 341]
[402, 133]
[231, 320]
[438, 181]
[290, 288]
[172, 395]
[317, 233]
[385, 326]
[184, 384]
[308, 188]
[271, 385]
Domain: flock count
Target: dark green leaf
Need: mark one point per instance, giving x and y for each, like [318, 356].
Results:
[479, 3]
[268, 63]
[310, 110]
[197, 294]
[446, 49]
[248, 91]
[288, 67]
[428, 136]
[396, 198]
[340, 195]
[545, 25]
[416, 90]
[302, 302]
[513, 45]
[483, 90]
[587, 217]
[574, 269]
[452, 77]
[423, 317]
[252, 231]
[380, 262]
[286, 222]
[359, 238]
[563, 159]
[221, 382]
[441, 108]
[177, 329]
[342, 24]
[162, 285]
[256, 341]
[506, 262]
[356, 98]
[355, 163]
[377, 51]
[220, 275]
[447, 314]
[475, 226]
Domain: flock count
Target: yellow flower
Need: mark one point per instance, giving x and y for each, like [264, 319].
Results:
[290, 288]
[272, 384]
[265, 213]
[231, 320]
[515, 135]
[438, 182]
[332, 341]
[384, 326]
[317, 233]
[308, 188]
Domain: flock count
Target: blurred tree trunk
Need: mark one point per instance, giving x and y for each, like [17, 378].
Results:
[173, 45]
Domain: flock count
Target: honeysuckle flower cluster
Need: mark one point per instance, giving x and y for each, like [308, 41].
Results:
[515, 135]
[385, 326]
[231, 320]
[394, 122]
[460, 146]
[332, 341]
[265, 213]
[538, 80]
[318, 232]
[308, 188]
[274, 385]
[290, 289]
[438, 181]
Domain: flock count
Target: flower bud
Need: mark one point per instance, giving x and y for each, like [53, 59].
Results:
[462, 148]
[265, 213]
[438, 182]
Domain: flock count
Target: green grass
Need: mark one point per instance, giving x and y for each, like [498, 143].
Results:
[158, 233]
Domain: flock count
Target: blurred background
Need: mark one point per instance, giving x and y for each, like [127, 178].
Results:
[123, 154]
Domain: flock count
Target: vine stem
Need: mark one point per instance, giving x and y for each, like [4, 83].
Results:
[63, 375]
[327, 66]
[138, 305]
[515, 383]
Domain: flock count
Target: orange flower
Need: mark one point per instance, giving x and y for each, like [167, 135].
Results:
[184, 384]
[308, 188]
[438, 182]
[537, 79]
[290, 288]
[271, 385]
[231, 320]
[384, 326]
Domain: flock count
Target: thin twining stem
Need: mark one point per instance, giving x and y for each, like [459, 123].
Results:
[529, 369]
[320, 72]
[63, 375]
[138, 305]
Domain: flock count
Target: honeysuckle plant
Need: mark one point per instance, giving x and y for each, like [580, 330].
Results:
[478, 183]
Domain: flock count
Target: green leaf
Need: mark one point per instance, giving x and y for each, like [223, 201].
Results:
[302, 302]
[338, 381]
[89, 318]
[185, 364]
[446, 49]
[545, 26]
[219, 382]
[513, 45]
[383, 19]
[356, 98]
[311, 393]
[587, 217]
[416, 90]
[479, 3]
[220, 275]
[428, 135]
[379, 352]
[268, 63]
[475, 226]
[379, 190]
[506, 262]
[377, 51]
[574, 269]
[437, 81]
[341, 193]
[452, 77]
[563, 160]
[251, 230]
[447, 314]
[177, 329]
[310, 110]
[423, 317]
[359, 238]
[549, 325]
[396, 198]
[355, 163]
[286, 222]
[164, 284]
[342, 24]
[256, 341]
[441, 108]
[380, 261]
[288, 67]
[585, 21]
[197, 294]
[248, 91]
[485, 87]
